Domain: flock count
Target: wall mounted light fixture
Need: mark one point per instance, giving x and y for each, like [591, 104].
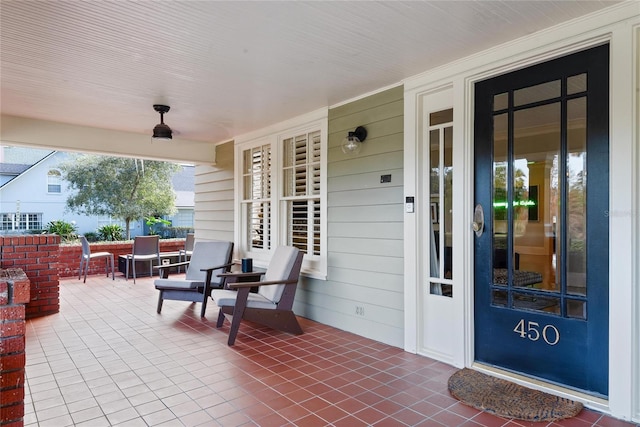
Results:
[162, 131]
[353, 141]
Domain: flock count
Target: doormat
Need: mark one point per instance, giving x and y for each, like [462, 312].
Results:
[509, 400]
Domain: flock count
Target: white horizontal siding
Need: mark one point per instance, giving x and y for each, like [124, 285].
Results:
[214, 197]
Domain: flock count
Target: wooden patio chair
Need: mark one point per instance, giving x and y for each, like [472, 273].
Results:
[185, 254]
[207, 258]
[272, 305]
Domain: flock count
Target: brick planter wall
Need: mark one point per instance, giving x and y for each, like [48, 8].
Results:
[37, 256]
[14, 294]
[69, 259]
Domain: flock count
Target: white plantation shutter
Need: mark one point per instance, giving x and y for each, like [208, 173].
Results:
[280, 197]
[256, 201]
[301, 191]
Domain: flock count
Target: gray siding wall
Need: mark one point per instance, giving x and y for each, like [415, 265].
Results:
[363, 292]
[214, 197]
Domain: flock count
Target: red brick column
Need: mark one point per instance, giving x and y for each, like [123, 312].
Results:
[14, 294]
[37, 256]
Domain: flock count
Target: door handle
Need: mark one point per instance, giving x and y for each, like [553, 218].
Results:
[478, 220]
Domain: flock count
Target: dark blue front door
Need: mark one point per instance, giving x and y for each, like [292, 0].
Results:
[541, 262]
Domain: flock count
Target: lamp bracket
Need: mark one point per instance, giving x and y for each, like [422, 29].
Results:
[161, 108]
[360, 132]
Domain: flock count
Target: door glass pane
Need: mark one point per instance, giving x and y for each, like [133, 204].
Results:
[577, 84]
[576, 197]
[434, 185]
[447, 201]
[500, 227]
[500, 101]
[541, 92]
[536, 303]
[536, 147]
[439, 206]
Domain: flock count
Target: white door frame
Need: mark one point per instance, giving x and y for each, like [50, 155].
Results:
[618, 25]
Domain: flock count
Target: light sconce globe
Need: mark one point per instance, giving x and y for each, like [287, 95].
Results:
[352, 143]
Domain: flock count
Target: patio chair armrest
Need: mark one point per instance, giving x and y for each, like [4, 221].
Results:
[252, 284]
[217, 268]
[240, 275]
[177, 264]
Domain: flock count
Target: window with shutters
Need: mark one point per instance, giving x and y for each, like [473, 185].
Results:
[301, 191]
[256, 200]
[281, 195]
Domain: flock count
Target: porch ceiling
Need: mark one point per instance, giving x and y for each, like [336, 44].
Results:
[230, 67]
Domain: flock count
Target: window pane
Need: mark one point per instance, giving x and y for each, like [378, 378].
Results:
[434, 185]
[576, 185]
[257, 176]
[500, 226]
[304, 225]
[447, 204]
[541, 92]
[500, 101]
[537, 141]
[440, 202]
[54, 181]
[441, 117]
[536, 303]
[577, 84]
[577, 309]
[258, 217]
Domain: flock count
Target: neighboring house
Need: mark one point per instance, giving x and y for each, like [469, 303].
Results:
[33, 193]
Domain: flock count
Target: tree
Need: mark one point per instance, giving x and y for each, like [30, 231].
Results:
[126, 189]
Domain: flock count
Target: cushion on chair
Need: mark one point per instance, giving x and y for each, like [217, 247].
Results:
[177, 284]
[279, 268]
[226, 297]
[207, 255]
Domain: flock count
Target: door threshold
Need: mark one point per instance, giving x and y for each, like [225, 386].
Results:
[592, 402]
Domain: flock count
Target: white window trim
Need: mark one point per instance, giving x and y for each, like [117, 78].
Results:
[313, 266]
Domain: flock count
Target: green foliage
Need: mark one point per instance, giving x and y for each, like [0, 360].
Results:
[126, 189]
[176, 232]
[66, 230]
[152, 222]
[111, 233]
[92, 236]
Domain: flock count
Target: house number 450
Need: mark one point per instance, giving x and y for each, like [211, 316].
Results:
[531, 330]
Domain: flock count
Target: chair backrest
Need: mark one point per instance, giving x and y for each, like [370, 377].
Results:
[285, 265]
[189, 241]
[86, 250]
[207, 255]
[146, 245]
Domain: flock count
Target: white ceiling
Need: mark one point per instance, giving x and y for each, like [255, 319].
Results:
[230, 67]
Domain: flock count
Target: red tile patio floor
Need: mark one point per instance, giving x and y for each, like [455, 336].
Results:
[108, 359]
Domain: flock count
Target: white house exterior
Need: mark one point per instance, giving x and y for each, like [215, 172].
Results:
[372, 214]
[36, 193]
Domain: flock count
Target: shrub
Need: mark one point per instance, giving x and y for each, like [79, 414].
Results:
[66, 230]
[92, 237]
[111, 233]
[155, 224]
[174, 232]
